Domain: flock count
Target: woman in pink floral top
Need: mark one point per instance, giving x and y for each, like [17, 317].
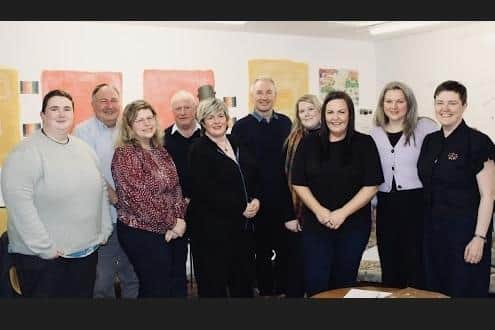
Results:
[150, 207]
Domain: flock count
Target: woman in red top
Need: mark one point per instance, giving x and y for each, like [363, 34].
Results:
[150, 206]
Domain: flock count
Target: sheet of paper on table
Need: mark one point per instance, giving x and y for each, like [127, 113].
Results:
[359, 293]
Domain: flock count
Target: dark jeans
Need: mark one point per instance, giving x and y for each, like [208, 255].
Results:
[332, 257]
[270, 237]
[159, 266]
[399, 234]
[56, 278]
[446, 271]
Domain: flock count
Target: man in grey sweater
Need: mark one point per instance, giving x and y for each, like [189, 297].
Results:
[57, 205]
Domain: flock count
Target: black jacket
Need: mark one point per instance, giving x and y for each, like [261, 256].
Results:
[219, 192]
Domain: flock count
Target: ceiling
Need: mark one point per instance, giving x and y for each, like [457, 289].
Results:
[357, 30]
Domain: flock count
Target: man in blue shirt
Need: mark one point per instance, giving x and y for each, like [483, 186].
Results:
[99, 132]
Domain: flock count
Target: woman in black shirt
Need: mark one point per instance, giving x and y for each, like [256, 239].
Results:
[457, 170]
[336, 173]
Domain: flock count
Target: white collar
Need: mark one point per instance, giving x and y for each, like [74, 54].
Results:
[175, 128]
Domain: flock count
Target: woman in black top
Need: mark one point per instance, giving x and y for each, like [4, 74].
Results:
[307, 120]
[336, 173]
[223, 203]
[457, 170]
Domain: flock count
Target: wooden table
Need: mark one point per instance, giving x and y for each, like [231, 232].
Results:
[396, 293]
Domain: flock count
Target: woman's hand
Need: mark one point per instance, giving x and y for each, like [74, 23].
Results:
[170, 235]
[293, 225]
[180, 227]
[337, 218]
[474, 250]
[252, 208]
[323, 216]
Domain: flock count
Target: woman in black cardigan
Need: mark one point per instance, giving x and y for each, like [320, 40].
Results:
[223, 205]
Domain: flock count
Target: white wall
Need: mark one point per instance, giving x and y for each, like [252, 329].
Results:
[423, 61]
[31, 47]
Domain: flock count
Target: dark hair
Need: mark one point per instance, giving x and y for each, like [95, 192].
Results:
[55, 92]
[325, 131]
[452, 86]
[100, 86]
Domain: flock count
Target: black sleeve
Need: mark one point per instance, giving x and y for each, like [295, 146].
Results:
[373, 174]
[482, 150]
[299, 166]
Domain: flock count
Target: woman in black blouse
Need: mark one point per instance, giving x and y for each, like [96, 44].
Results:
[457, 170]
[223, 204]
[336, 173]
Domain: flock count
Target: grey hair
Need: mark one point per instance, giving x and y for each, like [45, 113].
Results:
[183, 95]
[269, 79]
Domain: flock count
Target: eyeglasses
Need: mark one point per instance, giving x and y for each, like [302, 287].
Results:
[142, 120]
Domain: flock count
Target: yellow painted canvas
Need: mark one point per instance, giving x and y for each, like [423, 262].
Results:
[10, 133]
[291, 80]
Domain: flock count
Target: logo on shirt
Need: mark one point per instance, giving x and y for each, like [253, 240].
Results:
[452, 156]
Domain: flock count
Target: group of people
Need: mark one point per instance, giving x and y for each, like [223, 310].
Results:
[279, 207]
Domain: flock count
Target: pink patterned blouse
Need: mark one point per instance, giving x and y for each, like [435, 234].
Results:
[147, 184]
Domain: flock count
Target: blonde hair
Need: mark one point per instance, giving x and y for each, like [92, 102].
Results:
[210, 106]
[126, 134]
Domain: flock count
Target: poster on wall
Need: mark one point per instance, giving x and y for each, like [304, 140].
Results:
[10, 133]
[79, 84]
[160, 85]
[339, 79]
[291, 80]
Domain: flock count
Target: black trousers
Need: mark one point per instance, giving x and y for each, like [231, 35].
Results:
[271, 241]
[295, 265]
[56, 278]
[399, 233]
[224, 267]
[159, 266]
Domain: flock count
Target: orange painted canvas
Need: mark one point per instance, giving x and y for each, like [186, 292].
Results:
[79, 84]
[160, 85]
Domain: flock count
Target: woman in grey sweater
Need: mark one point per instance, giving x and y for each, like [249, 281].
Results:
[57, 204]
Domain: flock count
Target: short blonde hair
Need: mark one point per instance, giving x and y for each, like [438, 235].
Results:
[126, 134]
[211, 106]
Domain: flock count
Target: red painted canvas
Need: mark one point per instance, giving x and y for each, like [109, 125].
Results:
[160, 85]
[79, 84]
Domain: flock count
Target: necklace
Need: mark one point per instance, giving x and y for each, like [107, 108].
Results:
[53, 139]
[224, 147]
